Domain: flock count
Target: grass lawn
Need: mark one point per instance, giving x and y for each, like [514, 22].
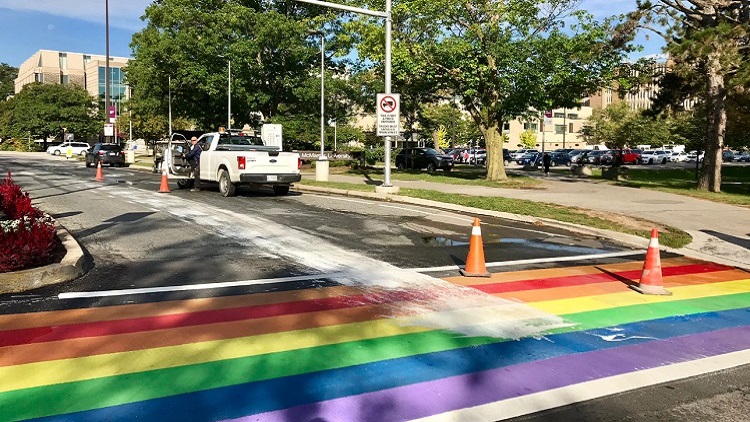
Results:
[735, 187]
[669, 236]
[461, 175]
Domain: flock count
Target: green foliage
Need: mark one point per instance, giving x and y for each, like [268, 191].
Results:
[272, 59]
[16, 144]
[502, 58]
[528, 139]
[459, 130]
[43, 110]
[618, 126]
[348, 138]
[8, 74]
[376, 155]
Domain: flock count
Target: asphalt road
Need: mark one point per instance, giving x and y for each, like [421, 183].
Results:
[136, 238]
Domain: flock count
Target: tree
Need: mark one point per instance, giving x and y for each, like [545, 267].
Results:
[43, 110]
[528, 139]
[459, 130]
[618, 126]
[8, 74]
[709, 39]
[271, 54]
[503, 58]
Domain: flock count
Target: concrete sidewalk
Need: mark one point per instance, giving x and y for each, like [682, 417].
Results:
[721, 232]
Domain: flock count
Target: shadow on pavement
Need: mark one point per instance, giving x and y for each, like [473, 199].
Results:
[729, 238]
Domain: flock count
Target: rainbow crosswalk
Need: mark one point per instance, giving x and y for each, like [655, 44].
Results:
[338, 354]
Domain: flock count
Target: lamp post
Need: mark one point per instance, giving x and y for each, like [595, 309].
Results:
[321, 167]
[229, 90]
[106, 68]
[386, 187]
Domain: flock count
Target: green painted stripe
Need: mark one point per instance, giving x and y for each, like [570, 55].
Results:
[111, 391]
[645, 312]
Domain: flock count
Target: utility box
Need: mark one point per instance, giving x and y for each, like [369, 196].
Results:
[271, 135]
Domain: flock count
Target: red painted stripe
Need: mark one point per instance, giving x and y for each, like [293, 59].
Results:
[578, 280]
[132, 325]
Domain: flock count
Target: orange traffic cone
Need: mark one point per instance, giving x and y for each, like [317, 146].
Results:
[475, 261]
[99, 175]
[164, 187]
[651, 281]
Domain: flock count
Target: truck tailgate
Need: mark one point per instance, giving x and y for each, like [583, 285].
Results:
[264, 163]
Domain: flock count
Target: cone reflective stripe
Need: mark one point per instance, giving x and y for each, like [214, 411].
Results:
[164, 187]
[475, 266]
[99, 175]
[651, 282]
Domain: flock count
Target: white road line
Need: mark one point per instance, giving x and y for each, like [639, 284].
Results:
[145, 290]
[224, 284]
[530, 261]
[589, 390]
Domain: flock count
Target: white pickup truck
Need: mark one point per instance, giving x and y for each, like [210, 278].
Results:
[234, 159]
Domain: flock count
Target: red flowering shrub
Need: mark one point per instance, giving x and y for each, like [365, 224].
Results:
[27, 235]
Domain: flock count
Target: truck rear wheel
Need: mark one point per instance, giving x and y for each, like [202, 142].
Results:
[226, 187]
[281, 189]
[185, 183]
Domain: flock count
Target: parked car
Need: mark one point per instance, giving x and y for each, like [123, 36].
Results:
[519, 153]
[77, 148]
[745, 156]
[592, 156]
[727, 156]
[575, 155]
[694, 156]
[419, 158]
[678, 157]
[655, 156]
[559, 158]
[527, 159]
[111, 154]
[479, 157]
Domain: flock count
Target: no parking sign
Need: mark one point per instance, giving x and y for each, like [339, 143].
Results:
[388, 106]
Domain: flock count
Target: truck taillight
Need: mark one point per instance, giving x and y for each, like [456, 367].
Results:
[241, 163]
[299, 163]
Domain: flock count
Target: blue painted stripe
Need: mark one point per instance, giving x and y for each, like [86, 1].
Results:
[264, 396]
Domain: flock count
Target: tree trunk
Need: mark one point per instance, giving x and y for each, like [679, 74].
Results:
[710, 178]
[495, 164]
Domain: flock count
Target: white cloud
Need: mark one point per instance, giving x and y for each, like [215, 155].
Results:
[122, 14]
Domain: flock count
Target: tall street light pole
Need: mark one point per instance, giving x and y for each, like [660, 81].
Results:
[106, 68]
[321, 167]
[229, 94]
[386, 187]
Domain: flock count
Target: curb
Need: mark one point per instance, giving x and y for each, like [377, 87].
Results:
[629, 240]
[69, 268]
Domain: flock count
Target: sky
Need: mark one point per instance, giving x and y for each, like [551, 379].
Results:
[78, 26]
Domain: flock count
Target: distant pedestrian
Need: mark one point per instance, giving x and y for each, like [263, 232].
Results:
[194, 159]
[546, 161]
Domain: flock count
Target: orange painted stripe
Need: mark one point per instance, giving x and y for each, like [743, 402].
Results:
[566, 271]
[110, 313]
[89, 346]
[570, 292]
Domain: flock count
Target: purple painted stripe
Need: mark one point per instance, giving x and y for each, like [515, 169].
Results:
[479, 388]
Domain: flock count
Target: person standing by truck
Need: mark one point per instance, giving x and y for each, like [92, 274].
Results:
[194, 159]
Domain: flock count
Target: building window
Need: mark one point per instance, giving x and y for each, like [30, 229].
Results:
[506, 127]
[531, 126]
[63, 60]
[64, 79]
[573, 116]
[38, 77]
[559, 129]
[86, 59]
[558, 115]
[570, 128]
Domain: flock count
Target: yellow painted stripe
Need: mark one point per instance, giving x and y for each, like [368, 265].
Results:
[630, 298]
[77, 369]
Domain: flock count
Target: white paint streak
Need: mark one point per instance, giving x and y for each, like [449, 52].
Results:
[436, 295]
[532, 261]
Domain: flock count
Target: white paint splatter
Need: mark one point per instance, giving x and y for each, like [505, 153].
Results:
[429, 302]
